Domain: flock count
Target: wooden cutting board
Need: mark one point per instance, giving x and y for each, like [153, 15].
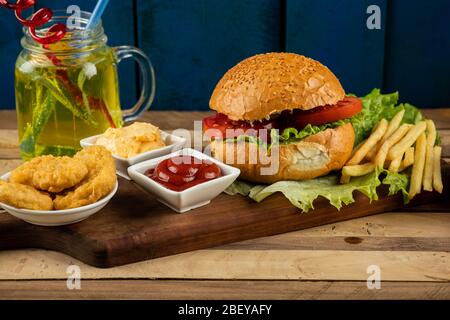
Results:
[134, 226]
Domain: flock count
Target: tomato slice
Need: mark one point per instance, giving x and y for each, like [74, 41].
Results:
[344, 109]
[220, 126]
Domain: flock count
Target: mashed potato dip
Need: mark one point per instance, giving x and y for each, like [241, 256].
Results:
[132, 140]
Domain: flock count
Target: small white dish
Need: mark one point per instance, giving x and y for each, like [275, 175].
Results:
[188, 199]
[173, 143]
[53, 218]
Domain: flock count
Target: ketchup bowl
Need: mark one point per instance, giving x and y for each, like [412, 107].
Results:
[213, 177]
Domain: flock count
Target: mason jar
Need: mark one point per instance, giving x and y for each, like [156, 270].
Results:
[69, 90]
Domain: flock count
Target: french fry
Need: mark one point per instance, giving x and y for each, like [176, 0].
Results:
[431, 140]
[437, 176]
[356, 171]
[407, 141]
[372, 153]
[345, 179]
[369, 144]
[428, 170]
[394, 166]
[431, 132]
[392, 127]
[357, 147]
[418, 166]
[408, 160]
[380, 158]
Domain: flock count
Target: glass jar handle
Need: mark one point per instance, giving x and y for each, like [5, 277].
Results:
[147, 91]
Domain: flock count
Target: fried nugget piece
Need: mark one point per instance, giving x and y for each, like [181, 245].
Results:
[24, 197]
[49, 173]
[100, 180]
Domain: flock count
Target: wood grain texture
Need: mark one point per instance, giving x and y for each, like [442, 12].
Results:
[247, 264]
[135, 227]
[335, 33]
[9, 144]
[193, 43]
[41, 264]
[8, 165]
[222, 290]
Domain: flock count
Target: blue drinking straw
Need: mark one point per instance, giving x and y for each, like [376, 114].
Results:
[97, 14]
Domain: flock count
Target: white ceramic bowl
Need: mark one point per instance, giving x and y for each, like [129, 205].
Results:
[188, 199]
[57, 217]
[173, 143]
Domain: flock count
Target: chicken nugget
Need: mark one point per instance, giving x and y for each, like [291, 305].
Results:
[99, 182]
[24, 197]
[49, 173]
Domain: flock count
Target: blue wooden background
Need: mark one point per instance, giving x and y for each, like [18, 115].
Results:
[192, 43]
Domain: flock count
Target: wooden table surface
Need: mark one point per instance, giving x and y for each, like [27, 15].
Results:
[412, 249]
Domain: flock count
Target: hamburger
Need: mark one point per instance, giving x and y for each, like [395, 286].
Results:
[298, 102]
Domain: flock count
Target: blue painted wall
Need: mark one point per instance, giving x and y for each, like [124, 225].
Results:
[335, 33]
[192, 43]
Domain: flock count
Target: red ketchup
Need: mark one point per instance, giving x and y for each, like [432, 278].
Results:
[183, 172]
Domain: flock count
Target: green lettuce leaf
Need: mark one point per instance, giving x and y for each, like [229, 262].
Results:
[292, 134]
[239, 187]
[303, 193]
[397, 182]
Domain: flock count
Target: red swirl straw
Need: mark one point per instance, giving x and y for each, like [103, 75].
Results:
[39, 18]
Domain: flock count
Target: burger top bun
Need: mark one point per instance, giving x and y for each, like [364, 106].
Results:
[273, 82]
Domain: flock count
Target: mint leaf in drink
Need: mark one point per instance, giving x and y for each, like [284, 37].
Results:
[59, 88]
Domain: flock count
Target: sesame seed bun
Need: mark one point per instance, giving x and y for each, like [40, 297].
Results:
[269, 83]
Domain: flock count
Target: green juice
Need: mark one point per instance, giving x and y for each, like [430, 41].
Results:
[59, 102]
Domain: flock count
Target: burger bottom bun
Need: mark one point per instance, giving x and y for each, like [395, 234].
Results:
[312, 157]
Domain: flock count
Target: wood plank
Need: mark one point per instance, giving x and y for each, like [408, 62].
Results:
[445, 138]
[242, 265]
[440, 116]
[193, 43]
[29, 264]
[417, 57]
[360, 65]
[222, 290]
[8, 165]
[8, 118]
[362, 243]
[9, 144]
[126, 232]
[117, 33]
